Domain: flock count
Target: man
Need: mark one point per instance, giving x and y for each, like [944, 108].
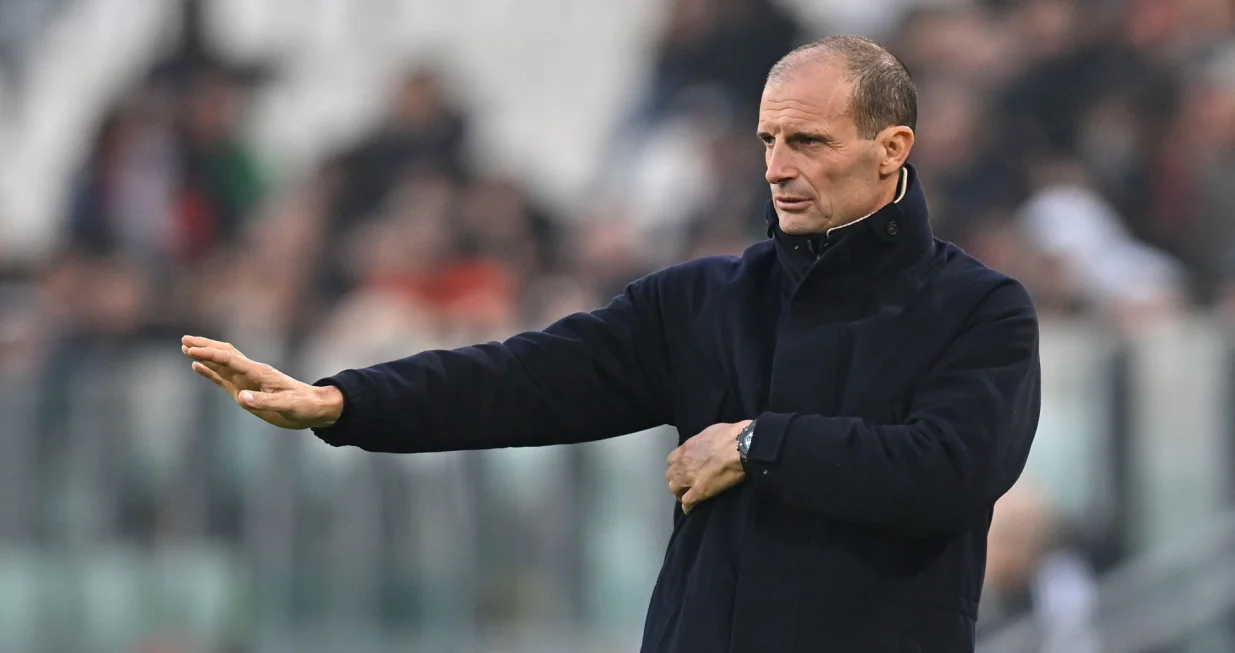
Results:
[859, 393]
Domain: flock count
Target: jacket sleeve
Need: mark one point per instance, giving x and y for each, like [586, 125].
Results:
[587, 377]
[963, 443]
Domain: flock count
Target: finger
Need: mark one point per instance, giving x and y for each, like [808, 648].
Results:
[198, 341]
[691, 499]
[674, 455]
[215, 367]
[205, 371]
[676, 476]
[184, 349]
[234, 361]
[210, 354]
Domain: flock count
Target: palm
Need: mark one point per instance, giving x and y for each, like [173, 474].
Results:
[229, 369]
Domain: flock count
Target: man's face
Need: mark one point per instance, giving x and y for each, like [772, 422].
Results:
[822, 173]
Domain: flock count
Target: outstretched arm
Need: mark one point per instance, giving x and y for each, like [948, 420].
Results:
[588, 376]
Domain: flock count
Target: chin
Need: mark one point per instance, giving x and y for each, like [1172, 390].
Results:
[797, 224]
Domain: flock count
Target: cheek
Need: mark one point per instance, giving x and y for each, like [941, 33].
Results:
[836, 174]
[827, 180]
[830, 167]
[834, 181]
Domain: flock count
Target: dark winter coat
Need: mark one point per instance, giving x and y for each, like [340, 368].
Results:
[896, 385]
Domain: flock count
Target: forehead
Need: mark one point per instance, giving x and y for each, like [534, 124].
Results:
[815, 94]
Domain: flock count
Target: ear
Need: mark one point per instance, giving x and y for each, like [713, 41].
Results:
[894, 146]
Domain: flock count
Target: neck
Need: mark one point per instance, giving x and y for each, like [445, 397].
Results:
[888, 191]
[889, 188]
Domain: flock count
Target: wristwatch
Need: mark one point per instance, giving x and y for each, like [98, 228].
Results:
[745, 436]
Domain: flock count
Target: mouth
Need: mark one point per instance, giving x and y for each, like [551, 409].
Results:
[791, 204]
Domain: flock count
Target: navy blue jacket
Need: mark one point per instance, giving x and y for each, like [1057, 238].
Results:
[896, 385]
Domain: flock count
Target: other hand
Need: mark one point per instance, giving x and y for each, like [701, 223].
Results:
[261, 389]
[706, 465]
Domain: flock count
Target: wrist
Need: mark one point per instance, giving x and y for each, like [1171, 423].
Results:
[330, 402]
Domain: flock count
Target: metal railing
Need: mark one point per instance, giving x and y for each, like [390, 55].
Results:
[1158, 600]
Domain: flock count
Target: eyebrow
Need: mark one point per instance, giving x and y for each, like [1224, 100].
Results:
[798, 135]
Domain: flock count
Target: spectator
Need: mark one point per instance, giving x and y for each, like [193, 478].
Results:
[124, 196]
[497, 220]
[423, 131]
[958, 147]
[1126, 279]
[1202, 151]
[1030, 569]
[958, 41]
[727, 44]
[221, 178]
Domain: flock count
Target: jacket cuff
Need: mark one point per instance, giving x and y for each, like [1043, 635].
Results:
[769, 437]
[358, 410]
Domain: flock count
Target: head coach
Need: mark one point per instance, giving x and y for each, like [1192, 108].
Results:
[852, 394]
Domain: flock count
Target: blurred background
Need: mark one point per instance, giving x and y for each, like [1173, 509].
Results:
[333, 183]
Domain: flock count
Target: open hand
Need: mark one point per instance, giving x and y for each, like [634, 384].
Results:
[261, 389]
[706, 465]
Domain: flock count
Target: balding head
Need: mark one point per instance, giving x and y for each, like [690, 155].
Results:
[883, 93]
[836, 119]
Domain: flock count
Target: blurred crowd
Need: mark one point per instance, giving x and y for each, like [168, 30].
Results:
[1085, 147]
[1081, 146]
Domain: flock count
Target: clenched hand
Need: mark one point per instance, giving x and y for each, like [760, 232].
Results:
[706, 465]
[261, 389]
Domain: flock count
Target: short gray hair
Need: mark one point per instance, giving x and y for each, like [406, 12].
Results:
[883, 91]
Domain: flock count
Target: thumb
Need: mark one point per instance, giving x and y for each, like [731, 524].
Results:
[261, 400]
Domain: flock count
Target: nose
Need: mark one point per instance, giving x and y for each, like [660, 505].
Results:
[780, 167]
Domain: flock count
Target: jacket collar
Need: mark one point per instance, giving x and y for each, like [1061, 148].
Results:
[883, 243]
